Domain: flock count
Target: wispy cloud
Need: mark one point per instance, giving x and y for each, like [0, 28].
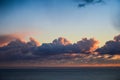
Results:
[83, 3]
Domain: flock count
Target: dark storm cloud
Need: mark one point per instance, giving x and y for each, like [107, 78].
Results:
[111, 47]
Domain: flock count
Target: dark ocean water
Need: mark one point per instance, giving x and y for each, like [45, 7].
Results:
[61, 74]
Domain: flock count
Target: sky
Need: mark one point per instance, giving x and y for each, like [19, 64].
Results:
[59, 32]
[49, 19]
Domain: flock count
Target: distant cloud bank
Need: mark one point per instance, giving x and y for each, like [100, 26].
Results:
[60, 50]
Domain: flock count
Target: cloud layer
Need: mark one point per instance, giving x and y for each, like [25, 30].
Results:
[61, 51]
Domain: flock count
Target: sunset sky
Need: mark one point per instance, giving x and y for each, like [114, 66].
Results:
[46, 20]
[59, 32]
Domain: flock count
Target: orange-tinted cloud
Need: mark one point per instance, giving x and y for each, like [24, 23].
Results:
[117, 38]
[61, 41]
[115, 57]
[87, 45]
[60, 51]
[34, 41]
[5, 39]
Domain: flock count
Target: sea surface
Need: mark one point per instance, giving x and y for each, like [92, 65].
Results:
[61, 74]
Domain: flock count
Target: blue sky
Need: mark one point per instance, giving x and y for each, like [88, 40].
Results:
[49, 19]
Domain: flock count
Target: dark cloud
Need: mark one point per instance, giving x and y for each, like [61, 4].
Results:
[61, 51]
[87, 45]
[62, 45]
[111, 47]
[83, 3]
[59, 45]
[18, 50]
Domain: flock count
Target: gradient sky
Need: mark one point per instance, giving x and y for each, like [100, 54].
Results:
[48, 19]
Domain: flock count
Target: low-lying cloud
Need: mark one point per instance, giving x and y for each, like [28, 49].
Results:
[111, 47]
[62, 45]
[87, 45]
[61, 50]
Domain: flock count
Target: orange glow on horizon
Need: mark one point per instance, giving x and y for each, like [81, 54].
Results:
[33, 65]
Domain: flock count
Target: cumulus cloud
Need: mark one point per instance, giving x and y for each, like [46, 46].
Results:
[87, 45]
[111, 47]
[33, 42]
[5, 39]
[18, 50]
[117, 38]
[62, 45]
[61, 51]
[59, 45]
[61, 41]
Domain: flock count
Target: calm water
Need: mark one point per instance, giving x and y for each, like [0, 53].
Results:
[61, 74]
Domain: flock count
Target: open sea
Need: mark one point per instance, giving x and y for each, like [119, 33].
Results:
[61, 74]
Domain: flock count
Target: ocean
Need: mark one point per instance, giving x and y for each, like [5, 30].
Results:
[61, 74]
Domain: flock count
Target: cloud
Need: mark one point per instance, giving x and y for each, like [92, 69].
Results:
[58, 46]
[62, 45]
[18, 50]
[61, 41]
[87, 45]
[117, 38]
[83, 3]
[5, 39]
[33, 42]
[116, 19]
[111, 47]
[60, 51]
[115, 57]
